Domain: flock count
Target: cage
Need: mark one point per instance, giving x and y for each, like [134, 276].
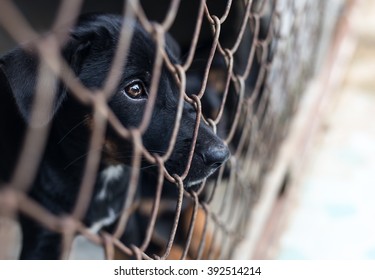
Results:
[242, 67]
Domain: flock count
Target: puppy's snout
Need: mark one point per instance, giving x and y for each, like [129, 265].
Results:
[216, 155]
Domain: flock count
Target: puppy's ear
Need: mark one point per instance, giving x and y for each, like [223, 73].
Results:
[20, 69]
[12, 129]
[21, 66]
[76, 50]
[91, 33]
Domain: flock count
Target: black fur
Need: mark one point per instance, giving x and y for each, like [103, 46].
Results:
[89, 52]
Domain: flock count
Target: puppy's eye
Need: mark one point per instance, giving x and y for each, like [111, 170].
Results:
[136, 90]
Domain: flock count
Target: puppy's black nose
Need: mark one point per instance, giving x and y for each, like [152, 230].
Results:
[216, 155]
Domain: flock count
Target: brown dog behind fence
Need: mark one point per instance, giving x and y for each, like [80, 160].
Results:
[119, 127]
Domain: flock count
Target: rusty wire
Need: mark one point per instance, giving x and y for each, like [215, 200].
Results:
[284, 39]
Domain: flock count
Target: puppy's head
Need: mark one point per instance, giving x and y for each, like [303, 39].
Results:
[90, 52]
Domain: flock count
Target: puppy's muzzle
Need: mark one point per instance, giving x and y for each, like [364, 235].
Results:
[215, 155]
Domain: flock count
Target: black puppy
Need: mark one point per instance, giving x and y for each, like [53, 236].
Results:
[89, 52]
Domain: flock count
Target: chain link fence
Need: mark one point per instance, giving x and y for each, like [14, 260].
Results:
[244, 66]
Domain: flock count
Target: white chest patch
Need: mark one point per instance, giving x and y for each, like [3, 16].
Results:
[104, 222]
[111, 173]
[104, 198]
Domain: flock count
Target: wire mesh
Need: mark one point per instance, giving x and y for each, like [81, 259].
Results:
[243, 68]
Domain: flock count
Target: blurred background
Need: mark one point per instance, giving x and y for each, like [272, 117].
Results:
[331, 213]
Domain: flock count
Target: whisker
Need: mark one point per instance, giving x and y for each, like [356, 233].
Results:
[78, 158]
[160, 152]
[145, 167]
[118, 156]
[70, 131]
[156, 151]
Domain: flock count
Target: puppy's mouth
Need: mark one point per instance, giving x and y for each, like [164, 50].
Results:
[203, 164]
[190, 183]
